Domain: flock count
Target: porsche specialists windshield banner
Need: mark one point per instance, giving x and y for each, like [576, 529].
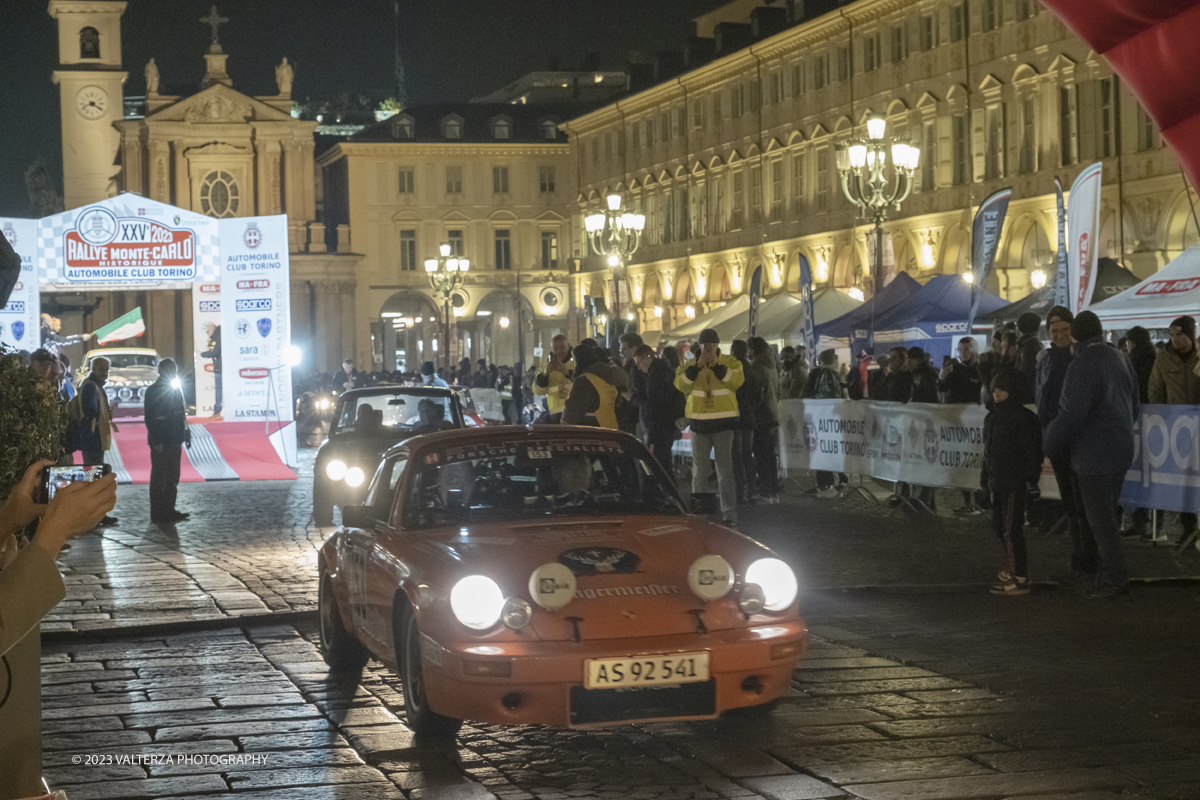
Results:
[256, 326]
[19, 325]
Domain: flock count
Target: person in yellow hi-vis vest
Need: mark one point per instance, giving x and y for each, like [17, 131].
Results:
[710, 382]
[554, 382]
[598, 382]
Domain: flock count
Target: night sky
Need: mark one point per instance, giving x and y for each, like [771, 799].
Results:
[452, 50]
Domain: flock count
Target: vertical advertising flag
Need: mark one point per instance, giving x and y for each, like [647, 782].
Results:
[806, 298]
[256, 327]
[755, 294]
[1061, 273]
[19, 325]
[985, 240]
[206, 310]
[1083, 224]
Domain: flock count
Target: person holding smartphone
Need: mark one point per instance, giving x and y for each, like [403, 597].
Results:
[30, 585]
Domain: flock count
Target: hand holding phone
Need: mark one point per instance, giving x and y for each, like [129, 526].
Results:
[76, 508]
[54, 479]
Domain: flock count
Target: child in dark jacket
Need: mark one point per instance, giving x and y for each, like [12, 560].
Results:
[1012, 460]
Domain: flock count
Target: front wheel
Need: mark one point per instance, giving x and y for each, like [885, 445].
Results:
[341, 651]
[420, 718]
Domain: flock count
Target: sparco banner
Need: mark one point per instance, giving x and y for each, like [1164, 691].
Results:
[256, 318]
[1166, 462]
[206, 309]
[19, 325]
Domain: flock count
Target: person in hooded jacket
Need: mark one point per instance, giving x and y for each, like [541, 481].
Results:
[1012, 459]
[749, 395]
[766, 420]
[656, 403]
[1028, 351]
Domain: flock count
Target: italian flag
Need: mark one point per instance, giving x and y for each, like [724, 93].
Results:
[126, 326]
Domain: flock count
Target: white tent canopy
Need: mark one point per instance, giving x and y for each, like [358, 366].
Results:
[709, 319]
[1158, 300]
[780, 317]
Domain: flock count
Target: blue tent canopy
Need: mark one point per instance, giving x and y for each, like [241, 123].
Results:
[843, 327]
[933, 316]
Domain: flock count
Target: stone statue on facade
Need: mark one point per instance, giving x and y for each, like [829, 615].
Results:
[151, 77]
[283, 77]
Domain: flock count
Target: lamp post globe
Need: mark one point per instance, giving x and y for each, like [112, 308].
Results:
[447, 274]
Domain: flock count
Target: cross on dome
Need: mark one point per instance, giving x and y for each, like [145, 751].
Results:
[214, 20]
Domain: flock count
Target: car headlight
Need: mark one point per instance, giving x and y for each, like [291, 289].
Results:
[516, 613]
[111, 394]
[355, 477]
[477, 602]
[124, 393]
[335, 470]
[777, 581]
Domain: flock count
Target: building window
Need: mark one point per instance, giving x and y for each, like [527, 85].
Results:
[797, 79]
[549, 250]
[458, 247]
[716, 108]
[407, 184]
[503, 249]
[680, 121]
[871, 52]
[823, 179]
[993, 144]
[990, 15]
[549, 130]
[899, 44]
[89, 43]
[454, 183]
[776, 190]
[1024, 10]
[697, 114]
[499, 180]
[452, 129]
[1028, 135]
[736, 218]
[408, 251]
[821, 71]
[1108, 104]
[797, 182]
[668, 216]
[929, 157]
[737, 97]
[756, 194]
[219, 195]
[501, 129]
[546, 180]
[1066, 126]
[1147, 132]
[664, 126]
[402, 127]
[718, 205]
[958, 22]
[843, 64]
[961, 152]
[775, 95]
[929, 32]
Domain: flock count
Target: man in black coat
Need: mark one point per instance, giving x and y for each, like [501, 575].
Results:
[167, 432]
[657, 404]
[349, 378]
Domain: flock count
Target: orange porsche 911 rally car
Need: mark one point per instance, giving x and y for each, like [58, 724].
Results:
[550, 575]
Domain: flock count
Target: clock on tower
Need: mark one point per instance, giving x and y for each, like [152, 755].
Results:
[91, 100]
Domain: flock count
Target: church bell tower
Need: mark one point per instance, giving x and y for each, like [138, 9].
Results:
[90, 80]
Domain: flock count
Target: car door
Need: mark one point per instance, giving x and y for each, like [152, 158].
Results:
[379, 574]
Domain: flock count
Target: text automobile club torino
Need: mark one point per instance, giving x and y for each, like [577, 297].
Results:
[549, 575]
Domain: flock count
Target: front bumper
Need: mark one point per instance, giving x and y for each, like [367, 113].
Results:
[748, 667]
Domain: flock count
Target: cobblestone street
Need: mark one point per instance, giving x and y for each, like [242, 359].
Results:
[918, 684]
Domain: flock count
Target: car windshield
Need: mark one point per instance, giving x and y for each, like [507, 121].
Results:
[395, 410]
[122, 360]
[530, 479]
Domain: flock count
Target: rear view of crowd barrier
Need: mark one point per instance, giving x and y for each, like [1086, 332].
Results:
[942, 446]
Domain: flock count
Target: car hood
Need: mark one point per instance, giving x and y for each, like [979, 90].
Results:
[133, 375]
[631, 572]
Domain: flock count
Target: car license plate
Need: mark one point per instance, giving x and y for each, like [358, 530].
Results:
[619, 673]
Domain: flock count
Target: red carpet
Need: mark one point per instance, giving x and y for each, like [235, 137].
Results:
[220, 451]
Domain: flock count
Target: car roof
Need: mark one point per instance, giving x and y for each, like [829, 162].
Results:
[441, 439]
[393, 388]
[107, 351]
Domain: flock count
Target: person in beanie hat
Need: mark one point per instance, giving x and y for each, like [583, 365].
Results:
[710, 380]
[1097, 410]
[1012, 460]
[1173, 381]
[1029, 349]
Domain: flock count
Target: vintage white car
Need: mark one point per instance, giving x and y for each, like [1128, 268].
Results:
[131, 371]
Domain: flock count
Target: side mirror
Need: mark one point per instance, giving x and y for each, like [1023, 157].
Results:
[357, 517]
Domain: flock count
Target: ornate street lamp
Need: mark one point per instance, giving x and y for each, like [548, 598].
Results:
[615, 234]
[861, 164]
[447, 274]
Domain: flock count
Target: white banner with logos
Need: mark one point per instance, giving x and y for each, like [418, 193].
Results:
[19, 325]
[256, 326]
[206, 310]
[921, 443]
